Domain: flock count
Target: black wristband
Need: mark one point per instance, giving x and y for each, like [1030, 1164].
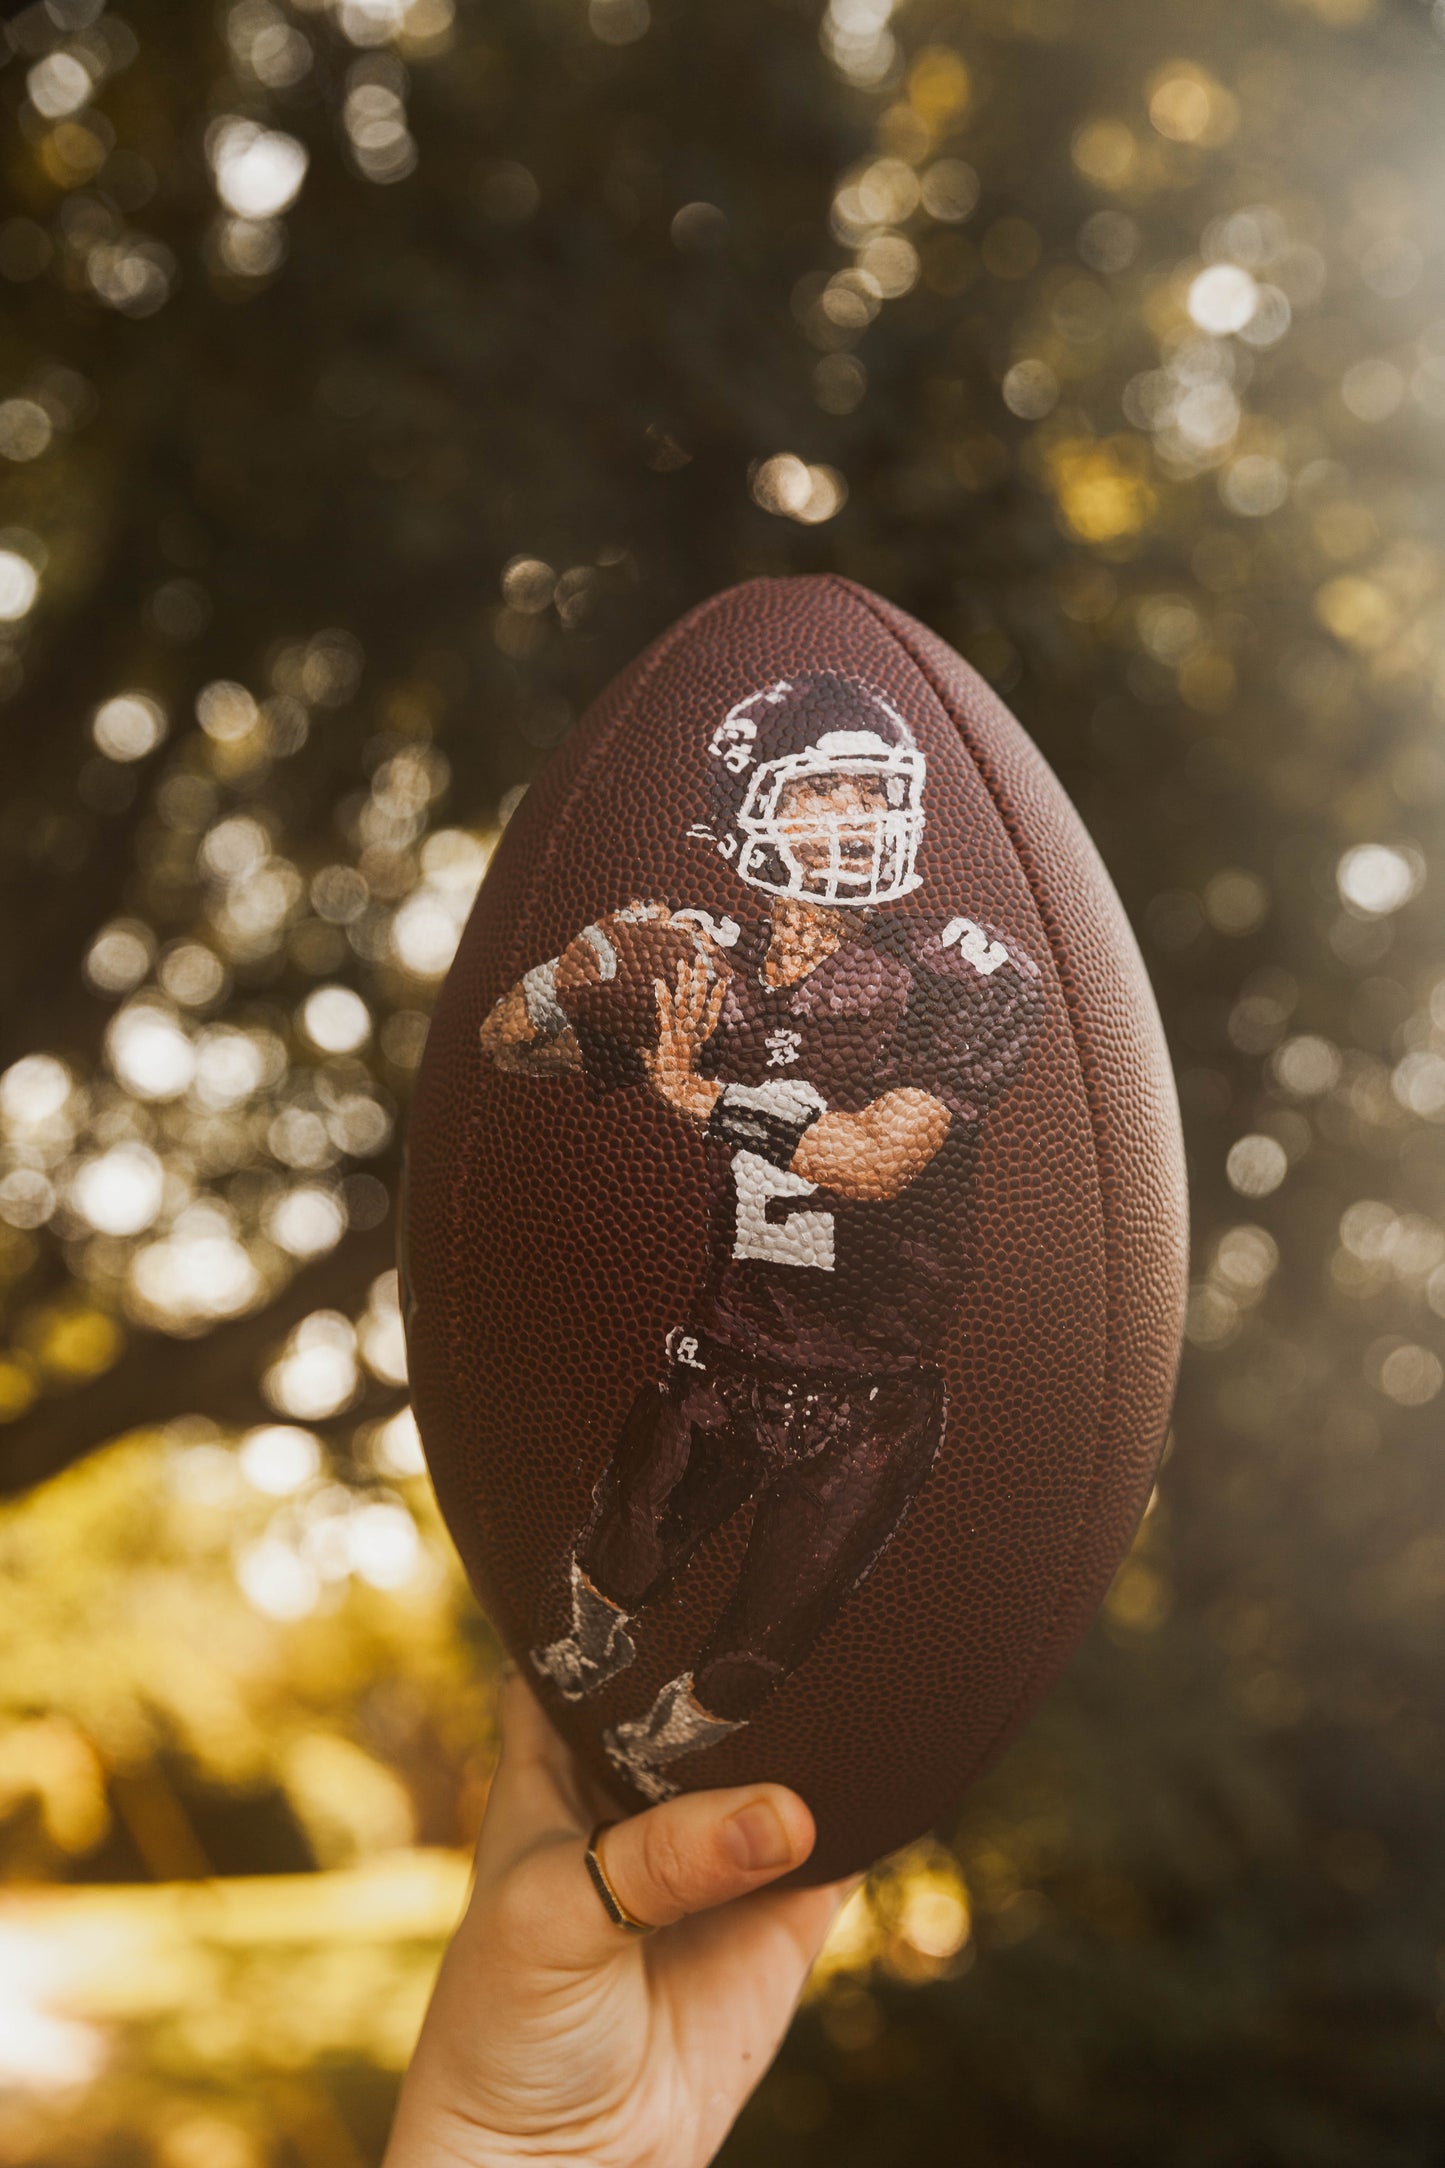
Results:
[768, 1131]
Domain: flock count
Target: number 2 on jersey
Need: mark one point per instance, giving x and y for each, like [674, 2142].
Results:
[778, 1236]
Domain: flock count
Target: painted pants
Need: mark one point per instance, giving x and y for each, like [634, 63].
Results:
[832, 1460]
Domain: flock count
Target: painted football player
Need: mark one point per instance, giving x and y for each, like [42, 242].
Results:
[839, 1056]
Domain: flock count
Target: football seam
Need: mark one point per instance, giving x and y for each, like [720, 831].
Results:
[1089, 1511]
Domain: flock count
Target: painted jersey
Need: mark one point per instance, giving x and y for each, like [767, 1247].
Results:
[804, 1278]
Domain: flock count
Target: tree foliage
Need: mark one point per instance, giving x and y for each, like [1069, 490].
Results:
[376, 377]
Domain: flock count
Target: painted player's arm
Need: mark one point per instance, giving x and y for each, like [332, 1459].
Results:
[527, 1031]
[869, 1156]
[874, 1154]
[997, 1003]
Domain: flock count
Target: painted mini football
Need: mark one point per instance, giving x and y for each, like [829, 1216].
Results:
[795, 1223]
[606, 979]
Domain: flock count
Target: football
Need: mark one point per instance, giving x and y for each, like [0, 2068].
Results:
[794, 1223]
[606, 978]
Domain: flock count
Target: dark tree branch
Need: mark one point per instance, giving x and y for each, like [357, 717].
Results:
[158, 1378]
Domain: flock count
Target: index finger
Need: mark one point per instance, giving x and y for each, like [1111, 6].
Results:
[693, 973]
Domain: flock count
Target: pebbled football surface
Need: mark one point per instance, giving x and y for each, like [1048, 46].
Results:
[852, 1455]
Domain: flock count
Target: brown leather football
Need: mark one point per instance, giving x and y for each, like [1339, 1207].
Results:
[792, 1393]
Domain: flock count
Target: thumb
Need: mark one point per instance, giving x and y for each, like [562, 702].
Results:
[687, 1855]
[703, 1849]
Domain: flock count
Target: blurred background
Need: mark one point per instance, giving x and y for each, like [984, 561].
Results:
[376, 378]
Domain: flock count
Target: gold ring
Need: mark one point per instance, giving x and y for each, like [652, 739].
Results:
[612, 1904]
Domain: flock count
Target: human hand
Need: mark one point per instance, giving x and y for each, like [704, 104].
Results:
[554, 2035]
[687, 1017]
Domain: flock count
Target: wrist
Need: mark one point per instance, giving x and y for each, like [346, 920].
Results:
[437, 2136]
[768, 1120]
[433, 2128]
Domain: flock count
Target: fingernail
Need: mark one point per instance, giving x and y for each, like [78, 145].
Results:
[756, 1836]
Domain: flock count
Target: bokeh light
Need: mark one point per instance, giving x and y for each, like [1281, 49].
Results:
[33, 1089]
[336, 1019]
[120, 1192]
[19, 585]
[1375, 879]
[150, 1052]
[316, 1373]
[128, 726]
[306, 1222]
[199, 1272]
[787, 485]
[258, 171]
[26, 429]
[277, 1458]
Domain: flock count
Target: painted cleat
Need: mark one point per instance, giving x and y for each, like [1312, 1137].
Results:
[596, 1649]
[675, 1725]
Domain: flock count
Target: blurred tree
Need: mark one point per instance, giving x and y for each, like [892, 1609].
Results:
[376, 376]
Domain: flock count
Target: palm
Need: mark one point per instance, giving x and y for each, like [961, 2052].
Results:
[727, 1988]
[659, 2052]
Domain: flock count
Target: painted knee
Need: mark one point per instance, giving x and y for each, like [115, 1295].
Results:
[595, 1649]
[736, 1686]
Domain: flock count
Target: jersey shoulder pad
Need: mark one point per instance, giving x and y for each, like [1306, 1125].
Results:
[974, 948]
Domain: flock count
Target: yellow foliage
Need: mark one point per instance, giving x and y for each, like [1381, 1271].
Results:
[1356, 611]
[208, 2141]
[18, 1386]
[939, 88]
[51, 1762]
[1101, 489]
[121, 1616]
[257, 1973]
[912, 1919]
[74, 1343]
[348, 1803]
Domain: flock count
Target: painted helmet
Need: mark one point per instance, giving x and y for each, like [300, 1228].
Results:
[818, 792]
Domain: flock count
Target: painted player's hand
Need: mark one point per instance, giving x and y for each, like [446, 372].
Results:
[508, 1025]
[687, 1016]
[554, 2034]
